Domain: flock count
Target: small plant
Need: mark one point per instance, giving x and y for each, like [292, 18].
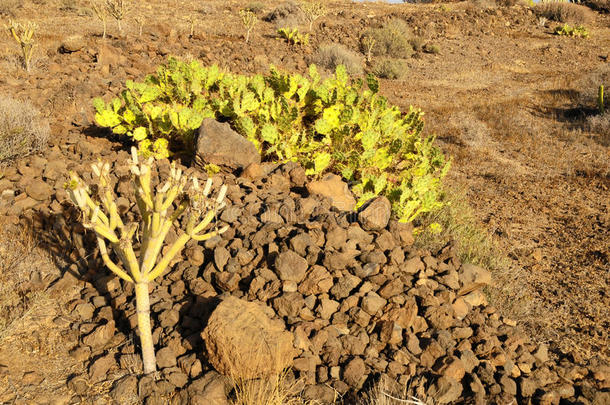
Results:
[542, 21]
[600, 99]
[118, 9]
[249, 20]
[368, 43]
[567, 30]
[101, 12]
[24, 35]
[293, 36]
[313, 10]
[140, 21]
[157, 219]
[191, 20]
[431, 48]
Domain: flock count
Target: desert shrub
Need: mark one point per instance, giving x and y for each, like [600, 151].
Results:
[417, 43]
[506, 3]
[563, 12]
[22, 129]
[8, 7]
[603, 6]
[387, 68]
[332, 55]
[256, 7]
[286, 11]
[391, 39]
[333, 125]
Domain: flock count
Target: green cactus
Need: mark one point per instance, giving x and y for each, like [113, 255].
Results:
[338, 125]
[600, 99]
[157, 219]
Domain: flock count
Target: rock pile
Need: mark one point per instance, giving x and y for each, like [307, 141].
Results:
[359, 300]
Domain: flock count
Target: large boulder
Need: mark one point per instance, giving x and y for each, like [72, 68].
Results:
[243, 342]
[218, 144]
[335, 189]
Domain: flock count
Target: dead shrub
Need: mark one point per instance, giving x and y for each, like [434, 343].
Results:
[392, 69]
[332, 55]
[564, 12]
[390, 40]
[22, 129]
[287, 11]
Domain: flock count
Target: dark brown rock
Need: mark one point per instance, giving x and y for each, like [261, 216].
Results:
[376, 214]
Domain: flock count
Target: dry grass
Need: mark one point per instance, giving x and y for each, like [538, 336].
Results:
[564, 12]
[275, 390]
[390, 40]
[22, 129]
[8, 7]
[332, 55]
[600, 124]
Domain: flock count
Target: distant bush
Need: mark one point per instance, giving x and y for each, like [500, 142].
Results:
[286, 12]
[391, 40]
[8, 7]
[390, 68]
[564, 12]
[332, 55]
[603, 6]
[432, 48]
[22, 129]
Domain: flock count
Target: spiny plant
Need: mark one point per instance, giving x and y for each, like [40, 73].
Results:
[23, 33]
[567, 30]
[159, 210]
[101, 12]
[293, 36]
[313, 10]
[249, 20]
[333, 125]
[118, 9]
[600, 99]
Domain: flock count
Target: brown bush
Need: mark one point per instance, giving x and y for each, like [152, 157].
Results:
[564, 12]
[332, 55]
[8, 7]
[22, 129]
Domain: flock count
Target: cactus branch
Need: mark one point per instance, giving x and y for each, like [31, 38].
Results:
[157, 219]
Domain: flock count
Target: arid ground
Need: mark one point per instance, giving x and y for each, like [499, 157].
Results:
[508, 100]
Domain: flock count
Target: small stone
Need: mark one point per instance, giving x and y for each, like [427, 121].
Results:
[100, 367]
[100, 335]
[473, 277]
[38, 190]
[373, 303]
[376, 214]
[354, 373]
[125, 390]
[335, 189]
[327, 307]
[290, 266]
[319, 393]
[446, 390]
[460, 308]
[542, 354]
[73, 43]
[528, 386]
[166, 358]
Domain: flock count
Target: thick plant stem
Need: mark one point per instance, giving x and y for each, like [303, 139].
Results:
[146, 340]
